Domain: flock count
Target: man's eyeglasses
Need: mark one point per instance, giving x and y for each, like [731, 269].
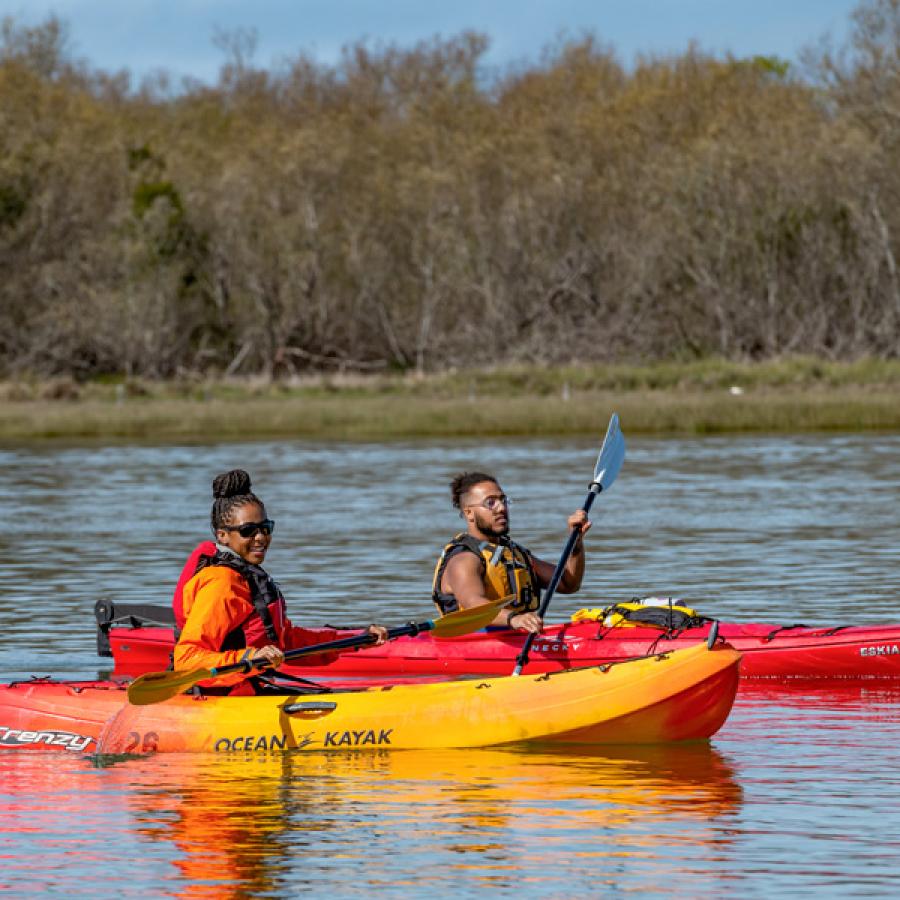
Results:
[249, 529]
[494, 503]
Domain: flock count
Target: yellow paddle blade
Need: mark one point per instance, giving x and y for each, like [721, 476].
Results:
[465, 621]
[154, 687]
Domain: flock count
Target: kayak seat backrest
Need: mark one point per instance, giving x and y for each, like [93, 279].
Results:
[128, 615]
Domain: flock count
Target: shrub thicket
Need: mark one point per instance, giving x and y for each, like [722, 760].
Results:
[401, 209]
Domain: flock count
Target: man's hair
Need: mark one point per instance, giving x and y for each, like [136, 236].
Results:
[464, 482]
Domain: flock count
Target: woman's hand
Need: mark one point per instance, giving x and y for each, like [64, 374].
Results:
[380, 633]
[269, 657]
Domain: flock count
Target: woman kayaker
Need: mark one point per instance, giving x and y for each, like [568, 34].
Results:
[483, 563]
[232, 609]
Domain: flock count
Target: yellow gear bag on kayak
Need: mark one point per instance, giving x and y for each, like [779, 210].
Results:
[657, 612]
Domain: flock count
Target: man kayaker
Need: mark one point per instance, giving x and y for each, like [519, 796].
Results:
[231, 608]
[484, 563]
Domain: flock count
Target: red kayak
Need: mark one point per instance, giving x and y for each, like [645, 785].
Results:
[140, 639]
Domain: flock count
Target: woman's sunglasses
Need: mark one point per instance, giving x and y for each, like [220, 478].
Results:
[249, 529]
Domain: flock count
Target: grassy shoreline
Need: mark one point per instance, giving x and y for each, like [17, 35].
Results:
[700, 398]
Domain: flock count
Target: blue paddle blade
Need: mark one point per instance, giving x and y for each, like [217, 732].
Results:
[612, 455]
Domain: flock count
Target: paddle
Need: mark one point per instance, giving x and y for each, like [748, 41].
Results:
[154, 687]
[612, 453]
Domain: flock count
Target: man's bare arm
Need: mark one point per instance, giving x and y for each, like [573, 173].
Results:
[464, 578]
[573, 573]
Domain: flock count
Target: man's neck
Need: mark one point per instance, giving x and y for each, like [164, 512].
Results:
[480, 535]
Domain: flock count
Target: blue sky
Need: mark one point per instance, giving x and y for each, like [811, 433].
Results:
[177, 35]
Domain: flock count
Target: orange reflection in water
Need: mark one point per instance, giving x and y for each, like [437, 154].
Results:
[252, 824]
[203, 826]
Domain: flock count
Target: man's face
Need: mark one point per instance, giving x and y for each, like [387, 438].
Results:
[485, 504]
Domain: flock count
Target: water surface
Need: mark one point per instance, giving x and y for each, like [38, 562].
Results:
[798, 794]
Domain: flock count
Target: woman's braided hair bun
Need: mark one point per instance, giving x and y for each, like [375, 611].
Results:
[230, 491]
[235, 483]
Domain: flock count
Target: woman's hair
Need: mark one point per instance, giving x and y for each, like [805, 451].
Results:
[464, 482]
[230, 490]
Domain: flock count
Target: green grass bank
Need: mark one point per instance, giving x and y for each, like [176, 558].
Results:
[691, 398]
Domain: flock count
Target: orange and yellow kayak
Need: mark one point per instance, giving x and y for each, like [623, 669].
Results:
[675, 696]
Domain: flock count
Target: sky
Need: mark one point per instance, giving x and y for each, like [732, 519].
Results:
[144, 36]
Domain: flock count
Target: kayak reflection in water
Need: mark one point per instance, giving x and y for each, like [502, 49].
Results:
[484, 563]
[610, 800]
[228, 608]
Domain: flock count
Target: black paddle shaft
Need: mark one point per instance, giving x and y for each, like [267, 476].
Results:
[522, 658]
[357, 640]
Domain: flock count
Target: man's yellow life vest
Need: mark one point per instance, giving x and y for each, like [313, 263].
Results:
[507, 570]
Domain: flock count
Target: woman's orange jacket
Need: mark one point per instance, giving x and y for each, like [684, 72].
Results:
[216, 601]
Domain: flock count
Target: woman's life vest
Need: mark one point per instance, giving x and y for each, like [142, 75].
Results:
[507, 570]
[269, 609]
[266, 623]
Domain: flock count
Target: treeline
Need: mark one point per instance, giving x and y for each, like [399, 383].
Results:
[407, 209]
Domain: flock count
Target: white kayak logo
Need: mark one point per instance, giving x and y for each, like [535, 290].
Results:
[548, 646]
[15, 737]
[880, 650]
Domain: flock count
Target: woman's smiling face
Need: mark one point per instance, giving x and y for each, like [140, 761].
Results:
[252, 544]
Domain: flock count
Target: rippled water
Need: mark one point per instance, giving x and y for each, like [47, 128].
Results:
[798, 794]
